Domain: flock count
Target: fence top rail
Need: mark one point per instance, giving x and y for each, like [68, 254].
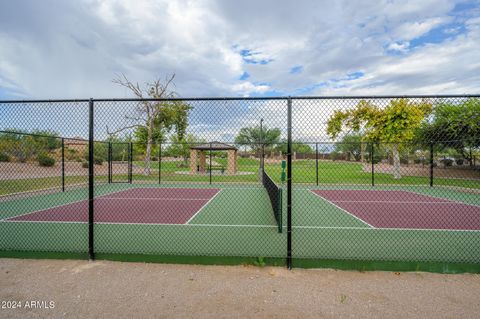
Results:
[339, 97]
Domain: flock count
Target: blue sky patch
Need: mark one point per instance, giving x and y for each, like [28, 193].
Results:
[245, 75]
[251, 57]
[439, 34]
[355, 75]
[296, 69]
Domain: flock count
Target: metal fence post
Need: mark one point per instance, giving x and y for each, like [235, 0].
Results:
[431, 165]
[91, 176]
[289, 183]
[316, 162]
[160, 163]
[210, 163]
[63, 164]
[373, 164]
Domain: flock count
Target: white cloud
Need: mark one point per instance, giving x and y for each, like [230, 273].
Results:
[411, 30]
[399, 46]
[57, 49]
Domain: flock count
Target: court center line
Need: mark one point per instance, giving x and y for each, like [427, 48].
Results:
[201, 208]
[331, 203]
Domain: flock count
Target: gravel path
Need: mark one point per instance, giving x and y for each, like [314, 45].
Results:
[103, 289]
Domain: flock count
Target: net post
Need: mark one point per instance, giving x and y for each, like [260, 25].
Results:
[160, 162]
[110, 162]
[316, 162]
[63, 164]
[372, 149]
[431, 164]
[210, 163]
[130, 161]
[289, 183]
[91, 176]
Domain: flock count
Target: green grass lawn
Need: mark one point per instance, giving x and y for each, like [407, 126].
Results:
[303, 171]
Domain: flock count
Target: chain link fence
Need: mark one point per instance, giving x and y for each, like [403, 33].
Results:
[304, 180]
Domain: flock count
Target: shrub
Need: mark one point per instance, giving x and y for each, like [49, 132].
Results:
[45, 160]
[447, 161]
[418, 161]
[404, 160]
[459, 161]
[4, 157]
[85, 164]
[98, 161]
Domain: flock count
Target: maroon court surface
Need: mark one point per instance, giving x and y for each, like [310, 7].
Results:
[133, 206]
[403, 209]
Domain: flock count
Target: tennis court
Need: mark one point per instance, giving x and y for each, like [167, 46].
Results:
[131, 206]
[360, 222]
[403, 209]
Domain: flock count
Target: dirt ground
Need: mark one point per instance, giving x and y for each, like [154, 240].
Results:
[103, 289]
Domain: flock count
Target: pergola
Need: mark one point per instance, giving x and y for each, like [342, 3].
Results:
[198, 153]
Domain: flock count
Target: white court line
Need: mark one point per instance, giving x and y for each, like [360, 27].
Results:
[446, 199]
[331, 203]
[151, 198]
[201, 208]
[393, 202]
[102, 197]
[257, 226]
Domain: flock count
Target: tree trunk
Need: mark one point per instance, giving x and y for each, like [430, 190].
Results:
[146, 169]
[396, 161]
[362, 152]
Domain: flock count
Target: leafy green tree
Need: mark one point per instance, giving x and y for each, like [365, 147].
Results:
[297, 146]
[453, 126]
[395, 123]
[120, 147]
[351, 144]
[254, 137]
[181, 148]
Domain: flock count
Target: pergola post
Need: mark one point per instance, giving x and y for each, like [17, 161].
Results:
[193, 161]
[202, 161]
[232, 162]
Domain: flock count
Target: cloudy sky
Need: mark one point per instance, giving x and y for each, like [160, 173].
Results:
[73, 49]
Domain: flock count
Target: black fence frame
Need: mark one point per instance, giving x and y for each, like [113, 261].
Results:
[289, 99]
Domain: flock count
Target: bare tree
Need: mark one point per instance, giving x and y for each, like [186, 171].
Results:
[146, 112]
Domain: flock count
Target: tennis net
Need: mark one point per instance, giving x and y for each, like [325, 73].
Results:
[275, 194]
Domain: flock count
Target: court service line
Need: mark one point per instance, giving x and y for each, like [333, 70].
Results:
[201, 208]
[333, 204]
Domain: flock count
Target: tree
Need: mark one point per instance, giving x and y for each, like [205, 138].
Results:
[181, 147]
[297, 146]
[350, 144]
[453, 126]
[153, 119]
[395, 123]
[254, 137]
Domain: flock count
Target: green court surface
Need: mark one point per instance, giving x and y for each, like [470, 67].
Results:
[239, 222]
